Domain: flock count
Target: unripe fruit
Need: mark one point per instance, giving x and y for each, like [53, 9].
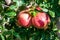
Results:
[41, 20]
[24, 19]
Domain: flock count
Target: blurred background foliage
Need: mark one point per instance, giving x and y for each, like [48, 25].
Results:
[10, 31]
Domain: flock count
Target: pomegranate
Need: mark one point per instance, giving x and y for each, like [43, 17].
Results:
[41, 20]
[24, 18]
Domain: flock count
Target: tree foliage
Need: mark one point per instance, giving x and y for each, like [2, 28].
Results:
[9, 30]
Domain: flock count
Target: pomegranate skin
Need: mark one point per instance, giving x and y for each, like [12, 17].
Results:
[24, 19]
[41, 20]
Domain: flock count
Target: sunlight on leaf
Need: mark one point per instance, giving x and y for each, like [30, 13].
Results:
[2, 37]
[11, 13]
[51, 13]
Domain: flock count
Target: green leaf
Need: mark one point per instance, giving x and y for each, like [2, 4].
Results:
[59, 2]
[16, 35]
[12, 13]
[1, 28]
[57, 38]
[43, 36]
[2, 37]
[58, 31]
[1, 7]
[51, 13]
[55, 28]
[12, 7]
[45, 10]
[19, 3]
[15, 0]
[34, 13]
[7, 33]
[31, 38]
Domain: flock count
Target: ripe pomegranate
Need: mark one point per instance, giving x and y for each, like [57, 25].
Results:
[41, 20]
[24, 18]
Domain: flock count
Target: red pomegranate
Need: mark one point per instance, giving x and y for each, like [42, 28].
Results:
[24, 18]
[41, 20]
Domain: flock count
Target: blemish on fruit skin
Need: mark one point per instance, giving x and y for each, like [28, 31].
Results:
[41, 23]
[46, 17]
